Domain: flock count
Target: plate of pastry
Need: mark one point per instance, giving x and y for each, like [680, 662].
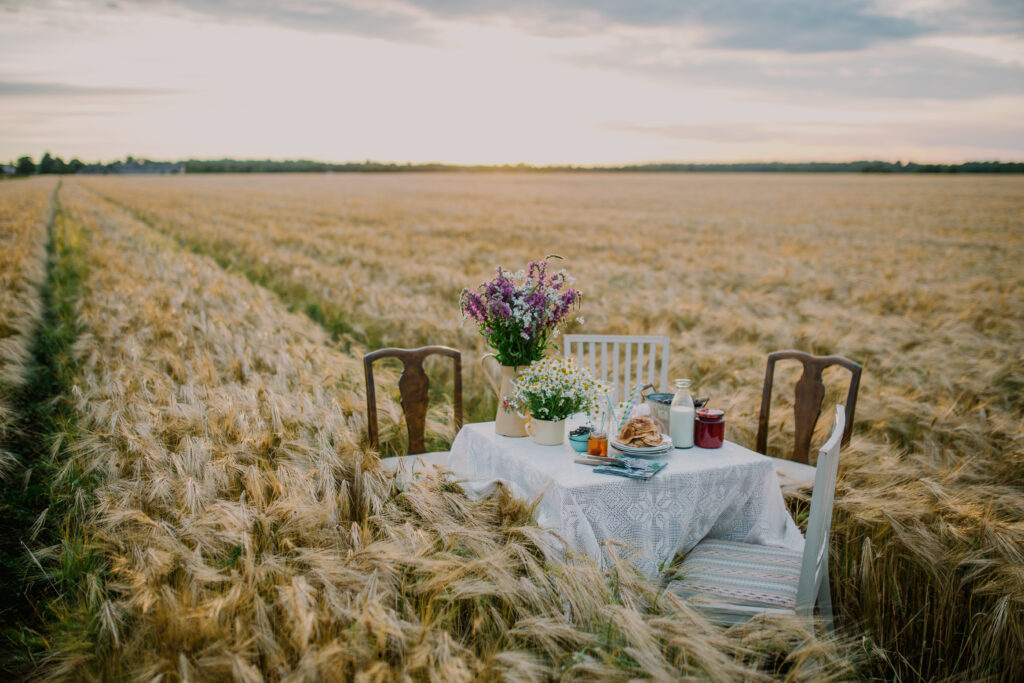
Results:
[642, 436]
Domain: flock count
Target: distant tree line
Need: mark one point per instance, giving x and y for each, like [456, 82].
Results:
[55, 165]
[307, 166]
[834, 167]
[48, 165]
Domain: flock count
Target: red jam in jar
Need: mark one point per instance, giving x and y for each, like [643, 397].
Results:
[709, 429]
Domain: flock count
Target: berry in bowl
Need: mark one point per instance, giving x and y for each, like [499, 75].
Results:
[578, 438]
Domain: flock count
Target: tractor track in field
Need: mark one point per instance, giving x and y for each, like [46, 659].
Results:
[42, 504]
[292, 297]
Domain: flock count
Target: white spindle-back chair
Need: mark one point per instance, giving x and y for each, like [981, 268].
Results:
[621, 361]
[733, 582]
[814, 584]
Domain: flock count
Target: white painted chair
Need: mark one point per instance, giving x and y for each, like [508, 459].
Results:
[732, 582]
[794, 475]
[621, 361]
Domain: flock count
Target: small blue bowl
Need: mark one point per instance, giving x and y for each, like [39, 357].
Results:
[579, 442]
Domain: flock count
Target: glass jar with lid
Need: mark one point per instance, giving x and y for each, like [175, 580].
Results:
[710, 428]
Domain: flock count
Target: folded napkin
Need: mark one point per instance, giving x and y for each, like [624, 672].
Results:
[632, 468]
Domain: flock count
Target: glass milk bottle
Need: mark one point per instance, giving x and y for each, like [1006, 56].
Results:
[681, 416]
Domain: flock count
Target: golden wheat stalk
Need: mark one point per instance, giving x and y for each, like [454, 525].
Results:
[24, 214]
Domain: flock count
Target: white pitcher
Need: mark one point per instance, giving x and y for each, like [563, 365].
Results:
[507, 422]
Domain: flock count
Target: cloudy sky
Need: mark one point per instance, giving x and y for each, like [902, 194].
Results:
[496, 81]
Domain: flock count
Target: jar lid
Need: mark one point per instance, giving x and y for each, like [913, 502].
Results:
[710, 415]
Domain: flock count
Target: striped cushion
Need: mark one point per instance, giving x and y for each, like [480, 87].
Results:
[740, 574]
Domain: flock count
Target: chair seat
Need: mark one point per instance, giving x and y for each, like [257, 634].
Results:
[793, 474]
[740, 574]
[410, 466]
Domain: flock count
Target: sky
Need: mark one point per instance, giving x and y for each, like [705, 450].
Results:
[514, 81]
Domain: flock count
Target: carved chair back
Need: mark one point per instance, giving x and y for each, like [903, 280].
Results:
[414, 387]
[810, 392]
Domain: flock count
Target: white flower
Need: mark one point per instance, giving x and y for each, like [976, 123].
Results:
[579, 320]
[556, 388]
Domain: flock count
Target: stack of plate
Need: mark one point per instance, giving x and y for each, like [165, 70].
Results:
[645, 451]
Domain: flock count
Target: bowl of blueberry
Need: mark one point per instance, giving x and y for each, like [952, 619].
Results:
[578, 438]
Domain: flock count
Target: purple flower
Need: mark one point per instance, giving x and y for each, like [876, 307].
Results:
[563, 304]
[537, 271]
[539, 304]
[473, 306]
[537, 300]
[500, 309]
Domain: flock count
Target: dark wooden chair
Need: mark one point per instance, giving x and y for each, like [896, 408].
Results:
[810, 393]
[414, 388]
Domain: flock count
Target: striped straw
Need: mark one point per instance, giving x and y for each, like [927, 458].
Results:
[611, 407]
[630, 404]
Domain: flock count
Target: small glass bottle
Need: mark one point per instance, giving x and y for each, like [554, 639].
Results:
[681, 416]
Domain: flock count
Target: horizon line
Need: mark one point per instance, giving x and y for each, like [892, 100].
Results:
[529, 165]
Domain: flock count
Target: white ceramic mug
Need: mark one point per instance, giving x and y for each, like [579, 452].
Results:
[546, 432]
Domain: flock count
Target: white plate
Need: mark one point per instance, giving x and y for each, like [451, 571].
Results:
[645, 451]
[634, 454]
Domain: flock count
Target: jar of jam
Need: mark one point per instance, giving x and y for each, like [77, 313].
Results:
[709, 429]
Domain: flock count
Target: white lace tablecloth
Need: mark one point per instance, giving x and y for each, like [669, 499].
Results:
[729, 493]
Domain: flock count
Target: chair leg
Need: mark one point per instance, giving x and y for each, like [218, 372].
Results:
[825, 603]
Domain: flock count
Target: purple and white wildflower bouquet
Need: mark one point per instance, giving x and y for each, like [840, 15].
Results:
[518, 312]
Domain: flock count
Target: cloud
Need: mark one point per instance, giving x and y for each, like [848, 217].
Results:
[789, 26]
[29, 89]
[965, 17]
[1007, 137]
[395, 21]
[898, 72]
[802, 25]
[361, 18]
[783, 25]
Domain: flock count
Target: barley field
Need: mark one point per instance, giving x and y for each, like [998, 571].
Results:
[23, 220]
[212, 510]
